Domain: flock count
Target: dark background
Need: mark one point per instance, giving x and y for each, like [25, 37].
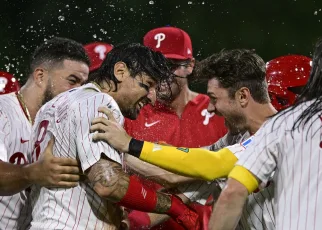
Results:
[273, 28]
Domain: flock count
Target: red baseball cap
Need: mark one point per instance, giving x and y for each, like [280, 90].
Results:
[96, 52]
[172, 42]
[8, 83]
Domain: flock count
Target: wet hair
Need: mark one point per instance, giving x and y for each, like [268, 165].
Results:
[55, 51]
[312, 91]
[235, 69]
[139, 60]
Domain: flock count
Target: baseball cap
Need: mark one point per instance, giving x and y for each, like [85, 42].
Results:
[8, 83]
[172, 42]
[96, 52]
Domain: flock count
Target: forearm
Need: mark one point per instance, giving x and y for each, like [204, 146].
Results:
[194, 162]
[228, 208]
[14, 178]
[154, 173]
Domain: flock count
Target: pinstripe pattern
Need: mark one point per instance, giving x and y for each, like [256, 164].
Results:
[258, 213]
[14, 126]
[70, 115]
[296, 161]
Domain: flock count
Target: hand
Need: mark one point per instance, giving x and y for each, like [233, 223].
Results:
[110, 131]
[50, 171]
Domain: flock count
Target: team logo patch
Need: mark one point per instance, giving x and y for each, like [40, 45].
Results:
[100, 50]
[207, 116]
[186, 150]
[247, 142]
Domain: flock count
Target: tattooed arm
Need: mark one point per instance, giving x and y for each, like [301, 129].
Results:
[108, 179]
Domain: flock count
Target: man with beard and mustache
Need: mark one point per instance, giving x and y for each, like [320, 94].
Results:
[57, 65]
[178, 118]
[125, 82]
[238, 91]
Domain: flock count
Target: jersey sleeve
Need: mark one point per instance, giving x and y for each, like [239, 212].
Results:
[4, 133]
[260, 157]
[193, 162]
[89, 152]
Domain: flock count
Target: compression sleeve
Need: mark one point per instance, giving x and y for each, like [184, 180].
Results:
[245, 177]
[192, 162]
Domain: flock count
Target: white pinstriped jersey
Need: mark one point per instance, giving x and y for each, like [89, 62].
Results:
[295, 157]
[258, 213]
[15, 133]
[68, 117]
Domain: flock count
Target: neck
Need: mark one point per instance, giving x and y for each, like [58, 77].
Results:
[179, 103]
[256, 119]
[32, 99]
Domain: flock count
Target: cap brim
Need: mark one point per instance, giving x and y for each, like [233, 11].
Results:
[176, 56]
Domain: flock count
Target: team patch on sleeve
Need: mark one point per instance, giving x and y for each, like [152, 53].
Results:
[186, 150]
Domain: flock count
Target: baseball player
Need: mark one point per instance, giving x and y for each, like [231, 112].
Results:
[258, 213]
[125, 82]
[8, 83]
[97, 52]
[288, 145]
[57, 65]
[178, 118]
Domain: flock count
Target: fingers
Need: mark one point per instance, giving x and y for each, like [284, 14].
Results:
[64, 184]
[99, 136]
[68, 170]
[108, 113]
[99, 128]
[69, 178]
[101, 120]
[65, 161]
[50, 145]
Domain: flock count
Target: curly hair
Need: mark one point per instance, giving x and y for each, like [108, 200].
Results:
[235, 69]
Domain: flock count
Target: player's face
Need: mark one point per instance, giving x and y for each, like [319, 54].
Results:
[65, 76]
[181, 69]
[134, 93]
[223, 105]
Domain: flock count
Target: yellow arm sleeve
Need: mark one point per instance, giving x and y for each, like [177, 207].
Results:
[192, 162]
[245, 177]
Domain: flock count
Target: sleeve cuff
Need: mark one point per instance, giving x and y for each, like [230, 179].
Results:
[245, 177]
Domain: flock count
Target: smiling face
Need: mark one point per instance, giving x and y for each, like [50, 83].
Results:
[223, 105]
[64, 76]
[134, 92]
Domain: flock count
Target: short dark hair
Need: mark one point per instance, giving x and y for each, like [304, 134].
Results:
[139, 60]
[56, 50]
[235, 69]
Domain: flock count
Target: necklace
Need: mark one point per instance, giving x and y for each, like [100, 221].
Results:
[23, 106]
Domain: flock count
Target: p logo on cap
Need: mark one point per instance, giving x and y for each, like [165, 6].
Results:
[159, 37]
[172, 42]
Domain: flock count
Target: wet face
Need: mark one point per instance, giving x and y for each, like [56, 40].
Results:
[134, 93]
[65, 76]
[223, 105]
[181, 70]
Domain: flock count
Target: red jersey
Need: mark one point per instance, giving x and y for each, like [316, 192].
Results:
[195, 128]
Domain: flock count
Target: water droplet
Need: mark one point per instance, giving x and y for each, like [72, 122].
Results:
[89, 10]
[94, 36]
[61, 18]
[151, 2]
[316, 12]
[190, 2]
[131, 9]
[67, 6]
[203, 3]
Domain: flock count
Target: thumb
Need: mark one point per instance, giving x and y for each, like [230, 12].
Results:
[50, 146]
[108, 113]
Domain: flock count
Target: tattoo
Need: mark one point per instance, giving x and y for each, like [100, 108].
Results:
[109, 178]
[163, 203]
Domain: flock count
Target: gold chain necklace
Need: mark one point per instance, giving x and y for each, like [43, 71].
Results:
[23, 106]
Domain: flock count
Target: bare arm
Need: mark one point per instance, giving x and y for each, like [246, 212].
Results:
[229, 206]
[154, 173]
[48, 171]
